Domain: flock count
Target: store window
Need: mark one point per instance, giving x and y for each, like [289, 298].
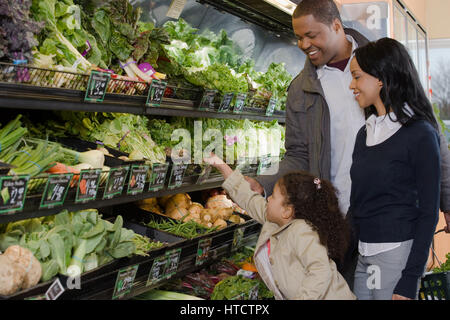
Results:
[408, 31]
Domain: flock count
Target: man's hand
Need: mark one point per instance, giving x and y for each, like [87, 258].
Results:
[255, 185]
[447, 220]
[399, 297]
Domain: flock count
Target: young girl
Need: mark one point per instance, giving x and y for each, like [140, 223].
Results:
[395, 173]
[303, 231]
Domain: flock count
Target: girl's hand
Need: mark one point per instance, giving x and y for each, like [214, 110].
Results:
[399, 297]
[214, 160]
[218, 163]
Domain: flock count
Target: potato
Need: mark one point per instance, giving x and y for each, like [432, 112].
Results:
[220, 223]
[26, 261]
[224, 213]
[196, 208]
[235, 219]
[149, 202]
[209, 214]
[11, 276]
[218, 202]
[181, 200]
[163, 200]
[177, 213]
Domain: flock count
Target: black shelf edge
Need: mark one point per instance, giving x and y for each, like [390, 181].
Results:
[14, 96]
[36, 213]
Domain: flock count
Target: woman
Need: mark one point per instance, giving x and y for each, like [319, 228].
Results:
[395, 173]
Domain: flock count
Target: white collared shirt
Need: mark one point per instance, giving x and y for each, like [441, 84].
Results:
[379, 129]
[346, 118]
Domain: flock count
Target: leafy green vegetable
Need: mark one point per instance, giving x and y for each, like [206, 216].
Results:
[445, 266]
[239, 287]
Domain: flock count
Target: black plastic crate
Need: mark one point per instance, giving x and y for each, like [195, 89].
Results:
[435, 286]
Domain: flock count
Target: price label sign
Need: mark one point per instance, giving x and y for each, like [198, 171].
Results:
[237, 239]
[88, 185]
[97, 84]
[156, 93]
[56, 189]
[116, 181]
[158, 177]
[124, 281]
[207, 100]
[173, 260]
[226, 102]
[253, 293]
[264, 164]
[138, 175]
[55, 290]
[204, 175]
[239, 103]
[271, 107]
[204, 246]
[13, 190]
[158, 270]
[176, 175]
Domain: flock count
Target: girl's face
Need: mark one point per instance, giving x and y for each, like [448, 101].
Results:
[277, 212]
[366, 88]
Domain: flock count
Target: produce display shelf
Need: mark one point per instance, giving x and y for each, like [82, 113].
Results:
[100, 283]
[25, 96]
[103, 288]
[31, 206]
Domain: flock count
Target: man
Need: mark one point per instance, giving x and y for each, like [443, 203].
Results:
[322, 115]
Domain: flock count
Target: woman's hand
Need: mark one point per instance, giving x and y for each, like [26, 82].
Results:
[399, 297]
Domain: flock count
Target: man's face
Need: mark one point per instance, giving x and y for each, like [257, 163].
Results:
[317, 40]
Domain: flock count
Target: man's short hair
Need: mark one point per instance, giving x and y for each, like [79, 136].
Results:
[324, 11]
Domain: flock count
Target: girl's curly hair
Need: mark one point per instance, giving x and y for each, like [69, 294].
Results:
[318, 206]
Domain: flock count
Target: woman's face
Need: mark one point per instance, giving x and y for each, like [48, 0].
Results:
[277, 212]
[366, 88]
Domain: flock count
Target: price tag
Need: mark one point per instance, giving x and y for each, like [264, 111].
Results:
[116, 181]
[156, 93]
[137, 179]
[176, 175]
[226, 102]
[158, 270]
[175, 8]
[97, 84]
[56, 189]
[237, 239]
[240, 102]
[207, 100]
[204, 175]
[271, 107]
[253, 293]
[88, 185]
[172, 266]
[55, 290]
[13, 190]
[264, 164]
[158, 178]
[124, 281]
[203, 251]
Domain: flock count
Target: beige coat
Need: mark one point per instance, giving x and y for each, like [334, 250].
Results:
[300, 264]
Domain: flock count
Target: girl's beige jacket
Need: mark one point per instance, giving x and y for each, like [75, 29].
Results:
[300, 264]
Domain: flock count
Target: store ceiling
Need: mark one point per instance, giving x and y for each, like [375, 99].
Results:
[257, 12]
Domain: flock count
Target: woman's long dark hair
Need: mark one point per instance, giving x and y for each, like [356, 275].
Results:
[389, 61]
[319, 208]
